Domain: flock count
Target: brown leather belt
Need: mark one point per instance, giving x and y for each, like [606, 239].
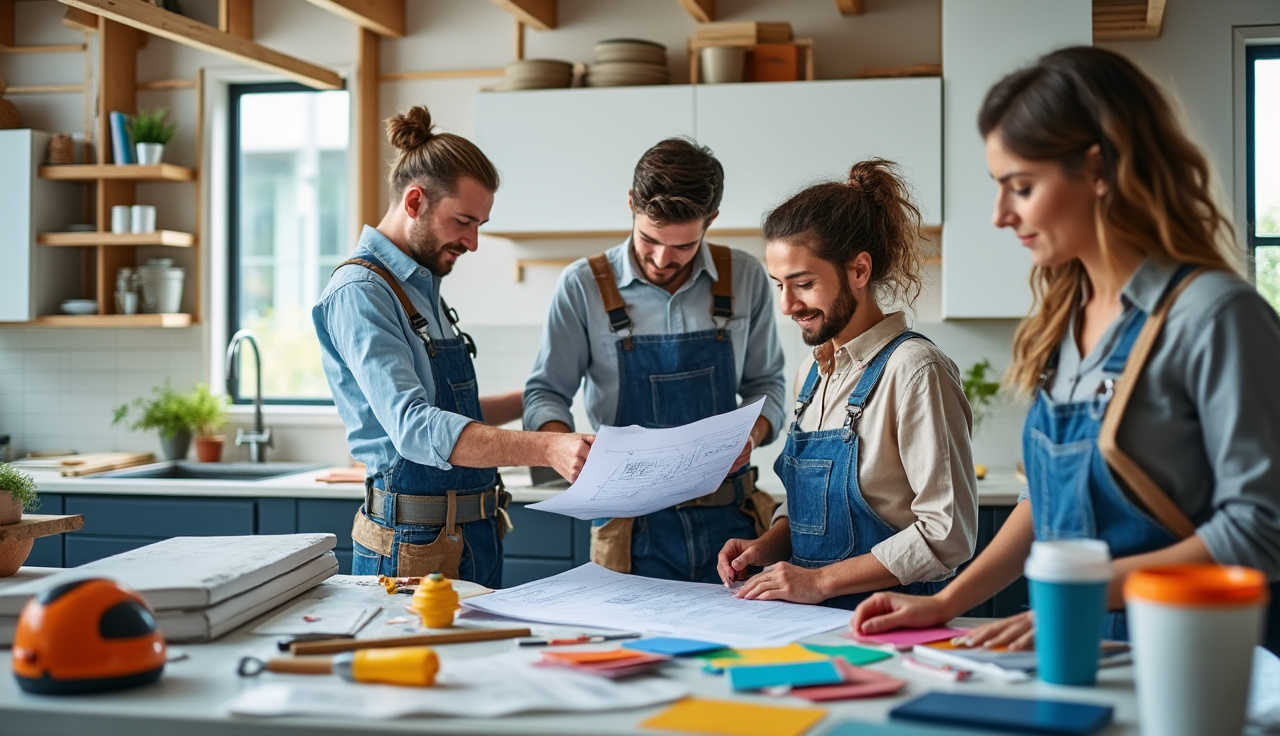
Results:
[731, 492]
[433, 510]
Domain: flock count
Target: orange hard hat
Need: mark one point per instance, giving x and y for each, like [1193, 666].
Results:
[86, 636]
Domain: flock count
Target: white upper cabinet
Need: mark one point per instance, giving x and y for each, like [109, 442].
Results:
[566, 157]
[984, 269]
[777, 138]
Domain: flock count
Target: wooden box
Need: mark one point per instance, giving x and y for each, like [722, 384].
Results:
[766, 62]
[742, 33]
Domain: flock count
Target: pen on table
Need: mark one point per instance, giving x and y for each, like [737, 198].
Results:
[944, 672]
[581, 639]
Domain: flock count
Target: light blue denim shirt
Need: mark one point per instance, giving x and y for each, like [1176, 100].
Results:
[377, 367]
[577, 342]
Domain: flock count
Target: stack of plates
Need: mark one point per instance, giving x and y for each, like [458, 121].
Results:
[539, 74]
[628, 61]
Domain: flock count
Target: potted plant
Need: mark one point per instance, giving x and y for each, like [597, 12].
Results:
[175, 415]
[17, 494]
[209, 413]
[149, 133]
[983, 395]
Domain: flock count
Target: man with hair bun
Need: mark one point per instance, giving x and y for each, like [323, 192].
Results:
[666, 329]
[402, 378]
[881, 493]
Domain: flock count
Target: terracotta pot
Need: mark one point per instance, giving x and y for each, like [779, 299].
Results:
[13, 553]
[209, 448]
[10, 509]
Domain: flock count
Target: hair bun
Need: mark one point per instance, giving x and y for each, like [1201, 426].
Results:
[410, 131]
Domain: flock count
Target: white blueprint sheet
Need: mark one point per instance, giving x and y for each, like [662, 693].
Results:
[591, 595]
[633, 471]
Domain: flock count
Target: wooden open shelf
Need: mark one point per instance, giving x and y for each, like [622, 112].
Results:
[113, 320]
[123, 172]
[159, 237]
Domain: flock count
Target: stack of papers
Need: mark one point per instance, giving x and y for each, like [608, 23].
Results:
[611, 663]
[200, 587]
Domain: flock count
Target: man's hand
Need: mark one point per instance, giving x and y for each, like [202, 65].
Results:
[744, 457]
[567, 453]
[739, 554]
[786, 582]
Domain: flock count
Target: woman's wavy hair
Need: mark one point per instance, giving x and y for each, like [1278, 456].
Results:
[871, 212]
[1159, 197]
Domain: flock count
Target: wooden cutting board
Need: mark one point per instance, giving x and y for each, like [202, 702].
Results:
[97, 462]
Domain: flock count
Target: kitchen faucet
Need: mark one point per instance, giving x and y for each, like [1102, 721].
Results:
[260, 438]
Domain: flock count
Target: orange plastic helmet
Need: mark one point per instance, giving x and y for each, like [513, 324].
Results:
[86, 636]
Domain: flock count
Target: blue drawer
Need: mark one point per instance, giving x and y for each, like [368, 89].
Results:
[520, 571]
[163, 516]
[538, 534]
[327, 515]
[84, 548]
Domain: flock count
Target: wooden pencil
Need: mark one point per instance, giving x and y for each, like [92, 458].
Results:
[330, 646]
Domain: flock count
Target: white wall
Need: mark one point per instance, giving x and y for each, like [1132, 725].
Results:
[57, 386]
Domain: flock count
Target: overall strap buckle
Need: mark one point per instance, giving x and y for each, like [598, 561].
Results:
[853, 412]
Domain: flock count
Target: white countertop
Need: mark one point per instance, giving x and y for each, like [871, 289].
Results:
[1000, 488]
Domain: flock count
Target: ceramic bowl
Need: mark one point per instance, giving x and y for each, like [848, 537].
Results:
[80, 306]
[631, 49]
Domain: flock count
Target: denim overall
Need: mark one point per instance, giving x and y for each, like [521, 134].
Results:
[830, 520]
[455, 384]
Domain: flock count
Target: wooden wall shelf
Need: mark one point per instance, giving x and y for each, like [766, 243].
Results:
[113, 320]
[159, 237]
[123, 172]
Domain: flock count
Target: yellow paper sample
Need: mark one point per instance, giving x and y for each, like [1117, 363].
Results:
[735, 718]
[769, 655]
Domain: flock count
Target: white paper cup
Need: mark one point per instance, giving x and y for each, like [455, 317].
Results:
[120, 218]
[1193, 630]
[143, 218]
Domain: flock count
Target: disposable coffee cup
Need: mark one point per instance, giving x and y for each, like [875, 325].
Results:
[1193, 629]
[120, 218]
[1068, 581]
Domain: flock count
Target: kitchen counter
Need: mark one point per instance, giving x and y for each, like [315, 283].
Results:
[1000, 488]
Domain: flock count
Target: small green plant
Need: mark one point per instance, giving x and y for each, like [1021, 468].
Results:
[19, 485]
[981, 393]
[148, 126]
[171, 412]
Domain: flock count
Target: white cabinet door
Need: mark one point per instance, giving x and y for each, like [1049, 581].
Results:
[984, 270]
[38, 278]
[777, 138]
[566, 157]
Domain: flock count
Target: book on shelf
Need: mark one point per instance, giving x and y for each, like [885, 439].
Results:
[121, 145]
[185, 573]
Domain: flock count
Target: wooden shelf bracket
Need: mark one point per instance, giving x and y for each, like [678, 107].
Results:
[539, 14]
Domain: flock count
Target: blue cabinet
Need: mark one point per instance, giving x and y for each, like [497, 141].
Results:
[47, 551]
[541, 545]
[1012, 599]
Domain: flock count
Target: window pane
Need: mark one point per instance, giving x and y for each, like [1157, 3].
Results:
[291, 190]
[1266, 271]
[1267, 147]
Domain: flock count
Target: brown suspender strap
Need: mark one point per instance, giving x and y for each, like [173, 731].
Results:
[607, 283]
[722, 288]
[416, 320]
[1156, 501]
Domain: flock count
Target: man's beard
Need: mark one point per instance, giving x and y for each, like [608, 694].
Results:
[831, 324]
[428, 251]
[665, 279]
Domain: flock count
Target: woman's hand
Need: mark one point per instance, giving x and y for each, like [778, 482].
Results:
[785, 582]
[1017, 632]
[888, 611]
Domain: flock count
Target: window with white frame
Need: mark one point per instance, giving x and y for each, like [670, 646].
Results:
[1262, 136]
[288, 229]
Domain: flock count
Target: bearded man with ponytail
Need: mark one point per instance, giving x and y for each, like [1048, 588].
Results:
[881, 493]
[402, 376]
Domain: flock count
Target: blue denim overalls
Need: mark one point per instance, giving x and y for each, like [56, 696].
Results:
[478, 549]
[666, 381]
[830, 520]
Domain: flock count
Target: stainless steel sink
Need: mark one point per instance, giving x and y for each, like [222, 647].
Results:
[182, 470]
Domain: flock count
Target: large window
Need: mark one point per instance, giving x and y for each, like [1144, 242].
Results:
[288, 212]
[1262, 113]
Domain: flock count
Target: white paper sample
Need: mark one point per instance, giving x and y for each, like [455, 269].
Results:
[483, 687]
[591, 595]
[633, 471]
[319, 616]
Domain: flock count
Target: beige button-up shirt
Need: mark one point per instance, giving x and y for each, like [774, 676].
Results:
[915, 464]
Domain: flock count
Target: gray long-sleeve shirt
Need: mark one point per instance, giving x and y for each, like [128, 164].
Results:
[1204, 419]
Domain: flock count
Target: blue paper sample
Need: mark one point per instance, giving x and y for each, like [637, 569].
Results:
[1023, 715]
[672, 646]
[797, 674]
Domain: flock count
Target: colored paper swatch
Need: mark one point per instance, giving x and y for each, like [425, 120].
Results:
[857, 683]
[673, 646]
[734, 718]
[764, 655]
[796, 674]
[907, 638]
[852, 654]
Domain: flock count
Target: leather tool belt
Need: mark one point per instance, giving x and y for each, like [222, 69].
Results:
[729, 493]
[433, 510]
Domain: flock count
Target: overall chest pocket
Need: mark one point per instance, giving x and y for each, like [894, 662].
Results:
[680, 398]
[806, 481]
[466, 398]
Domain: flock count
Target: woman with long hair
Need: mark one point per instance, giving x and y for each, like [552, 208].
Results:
[1156, 417]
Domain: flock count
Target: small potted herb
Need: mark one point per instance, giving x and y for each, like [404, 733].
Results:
[176, 416]
[17, 494]
[209, 413]
[983, 395]
[149, 133]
